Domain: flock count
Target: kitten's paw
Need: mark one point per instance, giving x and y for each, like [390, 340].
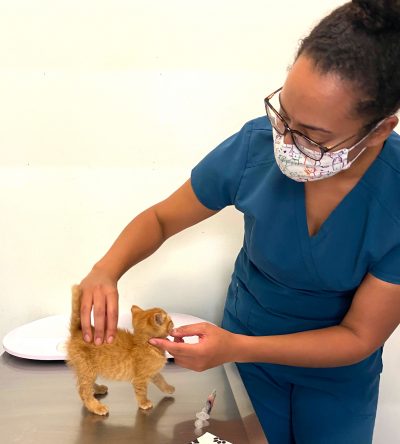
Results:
[100, 389]
[169, 389]
[101, 410]
[97, 407]
[146, 405]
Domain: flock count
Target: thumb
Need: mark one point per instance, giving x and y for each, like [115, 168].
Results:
[165, 344]
[160, 342]
[190, 330]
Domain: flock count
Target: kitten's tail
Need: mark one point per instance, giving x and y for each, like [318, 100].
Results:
[75, 322]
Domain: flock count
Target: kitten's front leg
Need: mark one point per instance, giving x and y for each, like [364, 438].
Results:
[162, 384]
[140, 388]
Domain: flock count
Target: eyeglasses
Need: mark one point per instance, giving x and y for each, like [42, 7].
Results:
[307, 146]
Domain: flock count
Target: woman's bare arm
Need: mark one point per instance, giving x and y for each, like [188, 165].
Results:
[142, 237]
[372, 318]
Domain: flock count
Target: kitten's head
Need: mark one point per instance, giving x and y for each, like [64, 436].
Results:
[154, 322]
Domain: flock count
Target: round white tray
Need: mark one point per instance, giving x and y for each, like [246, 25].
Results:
[45, 338]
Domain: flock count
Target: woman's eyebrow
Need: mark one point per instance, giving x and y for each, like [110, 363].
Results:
[310, 127]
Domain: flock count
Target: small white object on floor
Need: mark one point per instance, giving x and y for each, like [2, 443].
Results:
[209, 438]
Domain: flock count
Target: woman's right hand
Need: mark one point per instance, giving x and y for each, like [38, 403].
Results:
[100, 293]
[140, 238]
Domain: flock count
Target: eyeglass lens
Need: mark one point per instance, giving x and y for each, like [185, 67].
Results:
[307, 147]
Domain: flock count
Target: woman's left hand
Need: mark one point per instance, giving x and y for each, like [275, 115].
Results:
[216, 346]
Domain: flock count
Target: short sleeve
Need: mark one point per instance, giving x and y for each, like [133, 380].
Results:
[388, 268]
[216, 179]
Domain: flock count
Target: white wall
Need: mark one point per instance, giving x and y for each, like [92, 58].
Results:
[104, 108]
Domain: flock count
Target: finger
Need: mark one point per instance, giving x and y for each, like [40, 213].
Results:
[99, 316]
[173, 348]
[112, 316]
[161, 343]
[86, 309]
[190, 330]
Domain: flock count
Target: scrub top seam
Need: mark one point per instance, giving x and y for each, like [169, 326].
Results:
[309, 240]
[248, 135]
[389, 165]
[262, 129]
[387, 277]
[373, 196]
[304, 239]
[261, 163]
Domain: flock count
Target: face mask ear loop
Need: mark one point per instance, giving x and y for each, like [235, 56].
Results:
[358, 155]
[358, 143]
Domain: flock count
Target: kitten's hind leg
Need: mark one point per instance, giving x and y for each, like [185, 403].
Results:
[140, 388]
[85, 388]
[162, 384]
[100, 389]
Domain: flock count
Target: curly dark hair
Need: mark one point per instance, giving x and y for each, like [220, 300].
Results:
[360, 42]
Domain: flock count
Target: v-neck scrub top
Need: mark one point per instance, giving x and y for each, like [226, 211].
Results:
[285, 280]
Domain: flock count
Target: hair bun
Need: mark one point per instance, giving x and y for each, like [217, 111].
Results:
[377, 15]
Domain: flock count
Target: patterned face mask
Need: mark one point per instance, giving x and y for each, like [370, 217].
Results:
[297, 166]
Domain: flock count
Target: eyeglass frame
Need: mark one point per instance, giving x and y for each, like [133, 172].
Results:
[323, 149]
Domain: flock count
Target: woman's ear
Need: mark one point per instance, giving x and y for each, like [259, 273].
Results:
[384, 130]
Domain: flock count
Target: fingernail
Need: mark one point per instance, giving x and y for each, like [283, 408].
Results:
[153, 341]
[110, 339]
[98, 341]
[86, 338]
[174, 331]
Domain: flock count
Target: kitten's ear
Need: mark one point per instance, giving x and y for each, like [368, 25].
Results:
[135, 309]
[159, 318]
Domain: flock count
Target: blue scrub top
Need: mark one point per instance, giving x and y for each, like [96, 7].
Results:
[285, 280]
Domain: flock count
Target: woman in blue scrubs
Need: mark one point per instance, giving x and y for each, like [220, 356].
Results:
[315, 291]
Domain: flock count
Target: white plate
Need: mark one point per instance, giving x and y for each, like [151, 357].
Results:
[45, 338]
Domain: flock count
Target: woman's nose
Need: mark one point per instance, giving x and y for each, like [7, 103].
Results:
[287, 138]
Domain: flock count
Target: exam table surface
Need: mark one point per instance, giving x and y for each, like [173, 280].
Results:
[40, 404]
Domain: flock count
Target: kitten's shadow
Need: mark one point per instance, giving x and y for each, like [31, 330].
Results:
[99, 429]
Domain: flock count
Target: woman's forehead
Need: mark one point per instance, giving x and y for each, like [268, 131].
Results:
[312, 98]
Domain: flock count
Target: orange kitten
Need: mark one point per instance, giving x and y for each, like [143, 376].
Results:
[129, 358]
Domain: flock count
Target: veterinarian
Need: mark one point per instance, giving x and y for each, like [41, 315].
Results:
[315, 290]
